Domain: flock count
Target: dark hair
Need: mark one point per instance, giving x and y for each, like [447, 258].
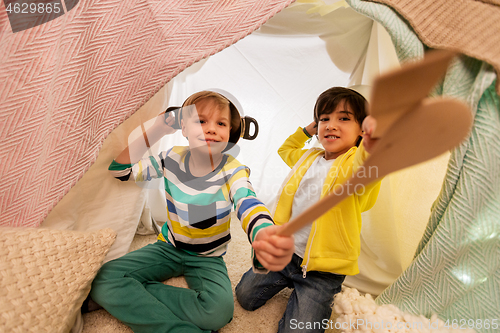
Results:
[328, 101]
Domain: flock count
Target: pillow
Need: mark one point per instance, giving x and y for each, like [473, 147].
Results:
[46, 274]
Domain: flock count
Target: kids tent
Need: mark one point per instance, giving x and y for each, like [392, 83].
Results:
[69, 82]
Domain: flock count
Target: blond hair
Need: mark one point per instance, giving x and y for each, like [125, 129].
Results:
[221, 102]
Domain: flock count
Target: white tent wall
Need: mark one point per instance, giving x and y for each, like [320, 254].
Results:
[276, 74]
[100, 201]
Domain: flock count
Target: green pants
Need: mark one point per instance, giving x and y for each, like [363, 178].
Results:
[130, 289]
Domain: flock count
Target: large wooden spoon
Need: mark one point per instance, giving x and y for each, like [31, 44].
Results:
[400, 91]
[428, 129]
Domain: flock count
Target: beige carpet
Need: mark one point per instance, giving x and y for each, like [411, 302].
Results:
[263, 320]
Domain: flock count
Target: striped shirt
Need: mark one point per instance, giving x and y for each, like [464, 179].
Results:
[199, 208]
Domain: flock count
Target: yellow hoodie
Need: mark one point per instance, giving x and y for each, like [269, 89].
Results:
[334, 243]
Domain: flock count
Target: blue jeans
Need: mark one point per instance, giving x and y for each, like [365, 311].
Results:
[310, 305]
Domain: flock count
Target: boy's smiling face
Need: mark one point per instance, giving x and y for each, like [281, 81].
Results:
[338, 131]
[208, 127]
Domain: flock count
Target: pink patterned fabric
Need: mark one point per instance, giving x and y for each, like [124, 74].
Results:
[65, 84]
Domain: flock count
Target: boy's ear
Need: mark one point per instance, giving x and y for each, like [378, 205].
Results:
[183, 128]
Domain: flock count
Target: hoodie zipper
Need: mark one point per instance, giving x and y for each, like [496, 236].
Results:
[304, 268]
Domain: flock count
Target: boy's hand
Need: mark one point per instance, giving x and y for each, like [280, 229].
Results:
[312, 128]
[368, 126]
[164, 122]
[273, 252]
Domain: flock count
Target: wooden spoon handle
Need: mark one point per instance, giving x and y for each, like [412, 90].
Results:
[339, 193]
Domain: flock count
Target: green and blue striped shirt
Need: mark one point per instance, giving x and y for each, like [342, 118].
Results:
[199, 208]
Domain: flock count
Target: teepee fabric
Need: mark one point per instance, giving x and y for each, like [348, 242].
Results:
[456, 269]
[67, 83]
[470, 27]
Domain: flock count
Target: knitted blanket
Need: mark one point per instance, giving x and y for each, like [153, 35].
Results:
[456, 270]
[67, 83]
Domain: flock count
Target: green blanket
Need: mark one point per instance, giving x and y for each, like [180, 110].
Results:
[456, 269]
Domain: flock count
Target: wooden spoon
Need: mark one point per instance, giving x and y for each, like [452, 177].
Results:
[400, 91]
[425, 131]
